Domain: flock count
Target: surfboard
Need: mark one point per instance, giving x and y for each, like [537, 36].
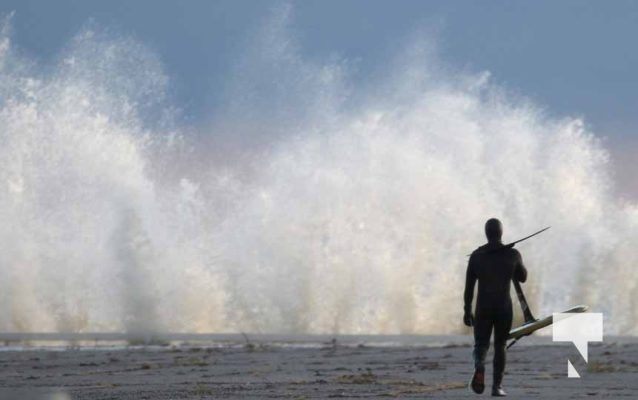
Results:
[533, 326]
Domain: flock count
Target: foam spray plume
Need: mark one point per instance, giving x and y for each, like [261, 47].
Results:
[343, 209]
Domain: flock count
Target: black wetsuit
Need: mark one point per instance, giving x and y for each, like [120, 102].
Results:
[494, 267]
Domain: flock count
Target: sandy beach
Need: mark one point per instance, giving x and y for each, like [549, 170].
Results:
[344, 368]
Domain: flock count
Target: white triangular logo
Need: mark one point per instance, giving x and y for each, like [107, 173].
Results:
[571, 371]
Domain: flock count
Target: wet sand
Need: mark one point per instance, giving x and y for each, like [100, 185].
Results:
[536, 370]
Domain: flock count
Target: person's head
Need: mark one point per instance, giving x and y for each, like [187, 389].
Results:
[493, 230]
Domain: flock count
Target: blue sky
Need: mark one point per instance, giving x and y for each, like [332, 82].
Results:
[571, 57]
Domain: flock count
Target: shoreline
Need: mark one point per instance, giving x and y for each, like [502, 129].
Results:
[266, 338]
[345, 368]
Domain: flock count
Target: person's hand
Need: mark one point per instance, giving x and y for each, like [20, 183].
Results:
[468, 319]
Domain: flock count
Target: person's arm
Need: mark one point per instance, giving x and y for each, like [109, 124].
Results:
[520, 272]
[470, 282]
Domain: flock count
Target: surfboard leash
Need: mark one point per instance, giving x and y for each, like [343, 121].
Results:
[510, 245]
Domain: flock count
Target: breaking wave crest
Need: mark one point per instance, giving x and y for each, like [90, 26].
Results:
[309, 204]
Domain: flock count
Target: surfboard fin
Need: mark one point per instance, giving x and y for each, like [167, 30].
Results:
[513, 342]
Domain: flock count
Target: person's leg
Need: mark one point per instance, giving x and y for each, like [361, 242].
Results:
[502, 326]
[482, 333]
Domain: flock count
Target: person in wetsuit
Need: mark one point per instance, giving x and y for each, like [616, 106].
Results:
[494, 266]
